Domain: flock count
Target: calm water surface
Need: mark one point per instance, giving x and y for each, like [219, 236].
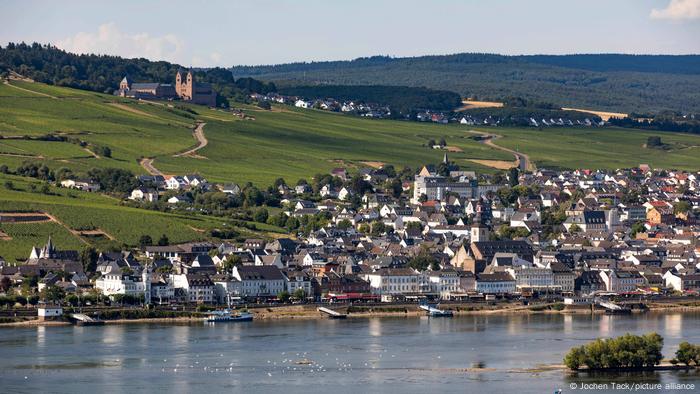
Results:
[384, 355]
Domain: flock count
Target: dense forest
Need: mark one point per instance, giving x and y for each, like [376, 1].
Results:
[401, 98]
[48, 64]
[620, 83]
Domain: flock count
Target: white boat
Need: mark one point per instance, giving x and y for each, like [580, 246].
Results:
[226, 316]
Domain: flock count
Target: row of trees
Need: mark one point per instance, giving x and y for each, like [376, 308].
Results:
[400, 99]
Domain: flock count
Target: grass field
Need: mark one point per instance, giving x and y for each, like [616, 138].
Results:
[601, 148]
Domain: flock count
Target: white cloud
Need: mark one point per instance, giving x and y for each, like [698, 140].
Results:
[678, 10]
[109, 40]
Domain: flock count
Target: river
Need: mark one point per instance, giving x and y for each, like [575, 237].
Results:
[357, 355]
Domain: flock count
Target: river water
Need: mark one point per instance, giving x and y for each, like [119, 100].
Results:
[357, 355]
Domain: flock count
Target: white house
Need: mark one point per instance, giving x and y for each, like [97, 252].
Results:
[175, 183]
[144, 194]
[618, 281]
[298, 280]
[393, 281]
[495, 283]
[116, 282]
[49, 312]
[260, 281]
[303, 104]
[86, 185]
[535, 278]
[197, 288]
[444, 282]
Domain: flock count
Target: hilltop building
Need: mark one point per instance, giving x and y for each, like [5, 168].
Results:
[185, 88]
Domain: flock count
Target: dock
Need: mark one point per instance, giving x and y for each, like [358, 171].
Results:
[612, 308]
[82, 319]
[435, 312]
[331, 313]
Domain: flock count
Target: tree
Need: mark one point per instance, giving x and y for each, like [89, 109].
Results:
[637, 228]
[9, 185]
[344, 224]
[431, 142]
[681, 207]
[688, 353]
[53, 294]
[299, 294]
[513, 175]
[575, 229]
[5, 284]
[575, 358]
[378, 228]
[232, 260]
[442, 142]
[283, 296]
[163, 241]
[422, 261]
[106, 151]
[261, 215]
[654, 142]
[88, 257]
[414, 226]
[396, 187]
[264, 104]
[145, 240]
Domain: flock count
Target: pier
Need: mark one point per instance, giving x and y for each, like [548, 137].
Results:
[331, 313]
[82, 319]
[435, 312]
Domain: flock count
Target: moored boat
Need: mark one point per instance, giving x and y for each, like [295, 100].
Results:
[226, 316]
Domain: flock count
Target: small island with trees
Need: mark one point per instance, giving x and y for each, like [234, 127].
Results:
[630, 353]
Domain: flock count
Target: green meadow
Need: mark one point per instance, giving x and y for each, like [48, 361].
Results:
[608, 148]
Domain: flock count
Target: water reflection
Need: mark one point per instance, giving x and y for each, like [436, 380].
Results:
[466, 353]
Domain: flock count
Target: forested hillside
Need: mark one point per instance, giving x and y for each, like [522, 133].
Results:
[622, 83]
[48, 64]
[401, 98]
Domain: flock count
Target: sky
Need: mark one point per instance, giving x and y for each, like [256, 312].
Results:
[242, 32]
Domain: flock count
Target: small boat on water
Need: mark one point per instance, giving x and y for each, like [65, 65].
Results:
[226, 316]
[440, 313]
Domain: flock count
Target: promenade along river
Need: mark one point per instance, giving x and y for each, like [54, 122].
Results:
[392, 355]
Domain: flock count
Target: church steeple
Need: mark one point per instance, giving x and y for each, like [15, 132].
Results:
[444, 159]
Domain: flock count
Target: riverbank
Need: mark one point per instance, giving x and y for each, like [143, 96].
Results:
[310, 312]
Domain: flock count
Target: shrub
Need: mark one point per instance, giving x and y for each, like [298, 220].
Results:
[627, 351]
[688, 354]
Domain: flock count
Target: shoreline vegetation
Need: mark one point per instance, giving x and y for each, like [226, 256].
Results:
[310, 312]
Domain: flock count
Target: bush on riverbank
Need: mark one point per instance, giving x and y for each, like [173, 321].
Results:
[627, 351]
[688, 354]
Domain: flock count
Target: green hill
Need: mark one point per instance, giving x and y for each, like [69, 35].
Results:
[619, 83]
[67, 128]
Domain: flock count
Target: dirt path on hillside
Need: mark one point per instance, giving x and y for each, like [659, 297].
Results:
[30, 91]
[27, 155]
[198, 134]
[147, 165]
[93, 154]
[521, 160]
[133, 110]
[74, 232]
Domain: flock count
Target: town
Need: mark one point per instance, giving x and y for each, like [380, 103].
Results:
[384, 236]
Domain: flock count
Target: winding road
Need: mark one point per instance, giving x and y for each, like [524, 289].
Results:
[198, 133]
[523, 160]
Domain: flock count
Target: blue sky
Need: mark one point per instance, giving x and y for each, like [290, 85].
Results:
[210, 33]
